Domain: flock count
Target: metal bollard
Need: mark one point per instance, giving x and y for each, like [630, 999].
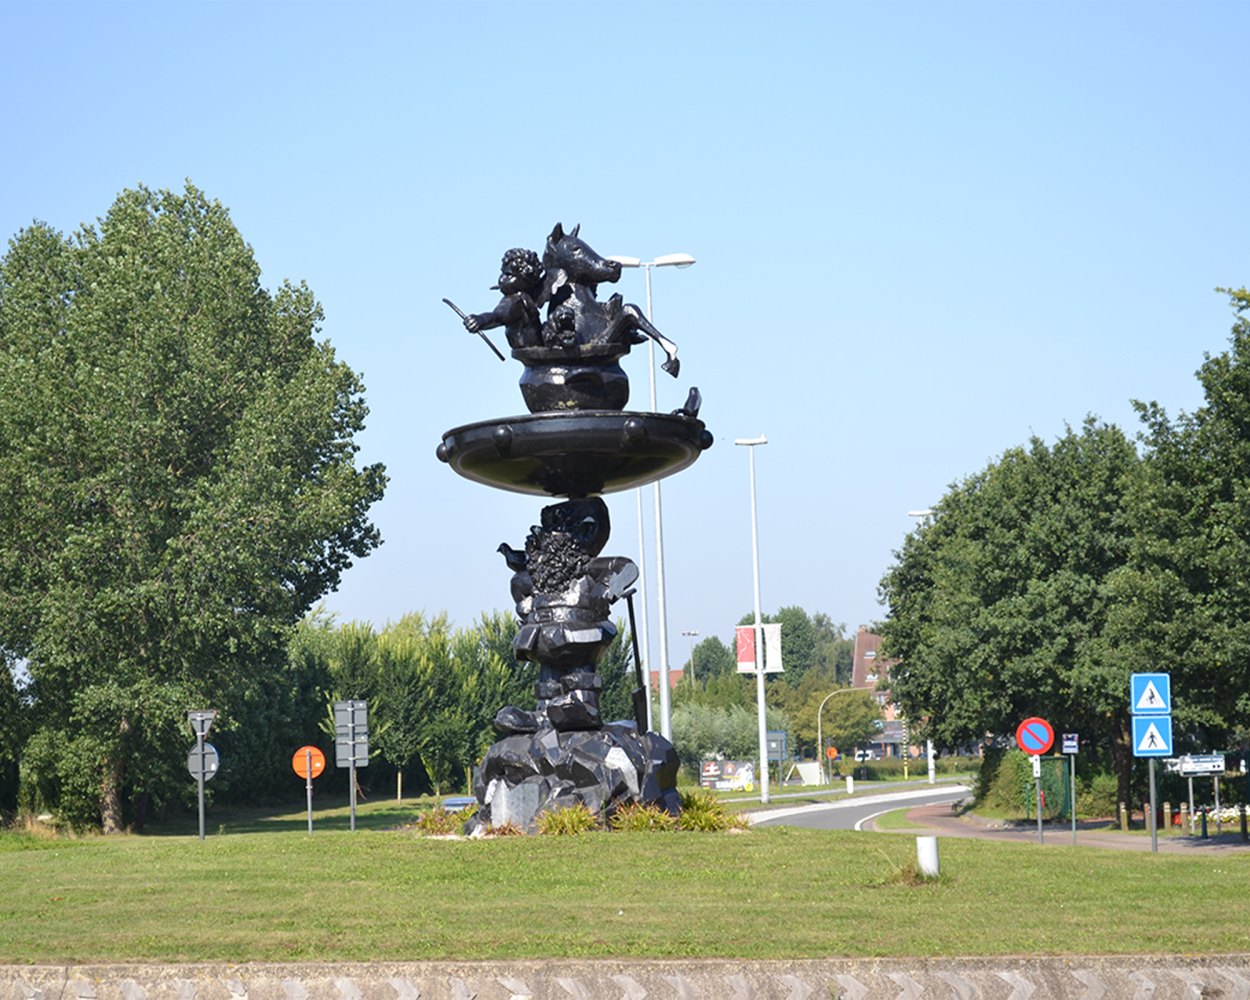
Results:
[1167, 817]
[1123, 818]
[1186, 827]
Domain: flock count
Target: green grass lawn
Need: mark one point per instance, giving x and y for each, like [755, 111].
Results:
[264, 890]
[896, 819]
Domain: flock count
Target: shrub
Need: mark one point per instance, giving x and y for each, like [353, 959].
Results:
[705, 812]
[571, 821]
[440, 822]
[638, 817]
[1096, 797]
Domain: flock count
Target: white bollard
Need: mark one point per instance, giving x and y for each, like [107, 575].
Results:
[850, 784]
[927, 856]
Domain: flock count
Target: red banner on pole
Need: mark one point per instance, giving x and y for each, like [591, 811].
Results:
[746, 649]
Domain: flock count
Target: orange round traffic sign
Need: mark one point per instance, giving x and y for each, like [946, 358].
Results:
[306, 757]
[832, 753]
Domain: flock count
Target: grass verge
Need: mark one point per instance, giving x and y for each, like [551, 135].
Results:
[278, 894]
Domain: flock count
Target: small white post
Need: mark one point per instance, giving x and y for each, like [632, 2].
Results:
[927, 856]
[850, 784]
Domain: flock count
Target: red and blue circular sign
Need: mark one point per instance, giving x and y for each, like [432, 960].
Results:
[1035, 736]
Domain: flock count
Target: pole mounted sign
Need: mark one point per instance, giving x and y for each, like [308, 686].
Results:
[1035, 736]
[202, 761]
[1150, 694]
[1150, 701]
[351, 742]
[308, 763]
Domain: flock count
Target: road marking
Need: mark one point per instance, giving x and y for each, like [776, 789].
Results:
[859, 827]
[855, 801]
[963, 989]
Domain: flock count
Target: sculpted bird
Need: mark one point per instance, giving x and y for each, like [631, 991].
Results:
[516, 560]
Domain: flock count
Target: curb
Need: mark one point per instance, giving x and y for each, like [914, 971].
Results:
[1001, 978]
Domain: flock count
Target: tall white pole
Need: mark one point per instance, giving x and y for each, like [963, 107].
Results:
[666, 716]
[645, 666]
[759, 628]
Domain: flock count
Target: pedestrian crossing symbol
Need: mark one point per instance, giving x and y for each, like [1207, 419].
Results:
[1152, 736]
[1150, 694]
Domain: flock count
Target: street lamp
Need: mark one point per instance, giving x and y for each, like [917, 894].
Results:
[679, 260]
[820, 746]
[691, 635]
[759, 628]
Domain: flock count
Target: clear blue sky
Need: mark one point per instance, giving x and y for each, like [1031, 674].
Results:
[924, 233]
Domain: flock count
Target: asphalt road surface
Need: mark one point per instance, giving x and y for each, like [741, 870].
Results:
[851, 813]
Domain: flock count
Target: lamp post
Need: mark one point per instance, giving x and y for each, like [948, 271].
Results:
[691, 636]
[759, 628]
[820, 745]
[680, 260]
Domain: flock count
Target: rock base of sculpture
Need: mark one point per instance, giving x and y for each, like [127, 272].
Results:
[524, 776]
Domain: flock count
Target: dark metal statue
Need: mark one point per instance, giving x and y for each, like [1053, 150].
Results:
[577, 442]
[572, 357]
[563, 590]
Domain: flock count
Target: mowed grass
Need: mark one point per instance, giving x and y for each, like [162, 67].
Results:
[270, 892]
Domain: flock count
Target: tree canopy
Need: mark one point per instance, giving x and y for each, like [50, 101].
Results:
[1041, 583]
[177, 486]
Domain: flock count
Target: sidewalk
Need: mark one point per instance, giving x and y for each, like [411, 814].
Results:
[939, 819]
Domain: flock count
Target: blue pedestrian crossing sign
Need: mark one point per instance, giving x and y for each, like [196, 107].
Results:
[1150, 694]
[1152, 736]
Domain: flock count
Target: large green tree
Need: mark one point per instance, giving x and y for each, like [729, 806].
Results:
[1184, 599]
[177, 486]
[999, 606]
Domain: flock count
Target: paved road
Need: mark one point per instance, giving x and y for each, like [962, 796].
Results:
[929, 811]
[852, 812]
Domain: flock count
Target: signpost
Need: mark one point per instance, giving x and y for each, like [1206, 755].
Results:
[203, 761]
[1035, 736]
[1071, 743]
[351, 742]
[309, 762]
[1150, 701]
[1199, 765]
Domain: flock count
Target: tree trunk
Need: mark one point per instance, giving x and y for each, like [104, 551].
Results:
[111, 796]
[111, 787]
[1121, 757]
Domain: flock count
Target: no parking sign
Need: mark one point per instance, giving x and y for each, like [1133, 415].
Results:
[1035, 736]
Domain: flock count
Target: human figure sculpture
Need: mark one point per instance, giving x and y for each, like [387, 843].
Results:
[563, 590]
[521, 282]
[579, 330]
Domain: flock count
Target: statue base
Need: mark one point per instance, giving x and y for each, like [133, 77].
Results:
[523, 776]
